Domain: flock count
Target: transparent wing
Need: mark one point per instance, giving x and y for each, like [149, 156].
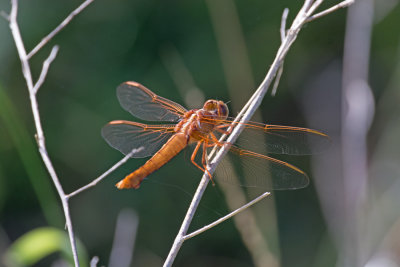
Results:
[144, 104]
[277, 139]
[126, 136]
[256, 170]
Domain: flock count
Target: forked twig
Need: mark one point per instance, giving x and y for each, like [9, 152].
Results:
[33, 89]
[305, 12]
[39, 135]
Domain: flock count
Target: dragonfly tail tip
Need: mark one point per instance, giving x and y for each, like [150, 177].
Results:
[126, 185]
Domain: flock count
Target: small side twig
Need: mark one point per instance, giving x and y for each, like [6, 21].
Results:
[283, 23]
[226, 217]
[343, 4]
[45, 68]
[62, 25]
[283, 36]
[105, 174]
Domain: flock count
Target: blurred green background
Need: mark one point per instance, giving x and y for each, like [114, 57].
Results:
[189, 51]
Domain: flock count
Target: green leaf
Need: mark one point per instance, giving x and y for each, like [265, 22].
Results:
[40, 243]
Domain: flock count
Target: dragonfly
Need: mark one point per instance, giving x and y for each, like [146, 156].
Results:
[202, 127]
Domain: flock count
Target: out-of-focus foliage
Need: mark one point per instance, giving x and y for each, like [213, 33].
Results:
[115, 41]
[38, 244]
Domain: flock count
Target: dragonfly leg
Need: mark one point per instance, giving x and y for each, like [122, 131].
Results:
[193, 157]
[193, 160]
[204, 160]
[215, 140]
[218, 128]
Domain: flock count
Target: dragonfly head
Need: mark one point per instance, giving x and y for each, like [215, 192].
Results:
[217, 108]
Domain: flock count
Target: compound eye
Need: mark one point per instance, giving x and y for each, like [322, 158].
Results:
[222, 109]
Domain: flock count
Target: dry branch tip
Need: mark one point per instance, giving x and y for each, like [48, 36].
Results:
[45, 68]
[343, 4]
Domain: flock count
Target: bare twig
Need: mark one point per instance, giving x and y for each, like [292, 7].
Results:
[283, 36]
[39, 135]
[94, 261]
[277, 80]
[186, 221]
[19, 44]
[305, 12]
[283, 23]
[45, 68]
[226, 217]
[24, 58]
[62, 25]
[105, 174]
[343, 4]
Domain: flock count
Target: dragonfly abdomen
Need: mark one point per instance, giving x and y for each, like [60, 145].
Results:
[169, 150]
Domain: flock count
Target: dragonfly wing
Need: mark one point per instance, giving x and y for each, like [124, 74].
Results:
[277, 139]
[295, 140]
[256, 170]
[126, 136]
[144, 104]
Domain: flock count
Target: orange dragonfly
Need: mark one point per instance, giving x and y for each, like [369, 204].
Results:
[202, 126]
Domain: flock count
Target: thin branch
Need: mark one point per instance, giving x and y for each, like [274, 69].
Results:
[249, 109]
[226, 217]
[24, 58]
[94, 261]
[186, 221]
[230, 38]
[313, 7]
[283, 23]
[62, 25]
[200, 191]
[39, 135]
[283, 36]
[277, 80]
[45, 68]
[306, 6]
[19, 43]
[108, 172]
[343, 4]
